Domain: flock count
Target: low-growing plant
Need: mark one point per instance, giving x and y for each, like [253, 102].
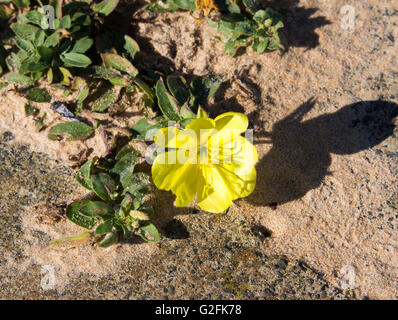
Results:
[52, 47]
[116, 209]
[260, 31]
[243, 24]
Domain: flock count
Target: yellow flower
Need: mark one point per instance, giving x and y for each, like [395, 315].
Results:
[208, 159]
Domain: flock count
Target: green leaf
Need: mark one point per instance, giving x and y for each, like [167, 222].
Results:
[13, 61]
[65, 22]
[40, 125]
[75, 130]
[105, 101]
[16, 77]
[37, 66]
[66, 76]
[105, 7]
[186, 112]
[186, 4]
[167, 103]
[110, 239]
[135, 183]
[124, 167]
[103, 185]
[148, 232]
[97, 208]
[177, 88]
[203, 88]
[50, 75]
[127, 160]
[145, 130]
[25, 31]
[131, 46]
[38, 95]
[73, 59]
[112, 60]
[79, 237]
[101, 72]
[34, 17]
[73, 213]
[3, 85]
[262, 46]
[82, 45]
[25, 45]
[39, 38]
[127, 203]
[45, 53]
[30, 110]
[105, 227]
[82, 96]
[145, 88]
[52, 40]
[83, 176]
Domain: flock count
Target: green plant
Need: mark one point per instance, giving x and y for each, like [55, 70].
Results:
[54, 48]
[178, 101]
[259, 30]
[242, 23]
[116, 210]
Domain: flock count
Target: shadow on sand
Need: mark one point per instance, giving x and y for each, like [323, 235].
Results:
[301, 150]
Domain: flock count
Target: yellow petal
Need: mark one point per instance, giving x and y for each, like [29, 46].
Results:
[181, 178]
[200, 129]
[170, 137]
[186, 188]
[165, 170]
[226, 186]
[232, 120]
[215, 197]
[240, 180]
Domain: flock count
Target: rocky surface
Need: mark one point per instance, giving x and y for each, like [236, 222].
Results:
[325, 207]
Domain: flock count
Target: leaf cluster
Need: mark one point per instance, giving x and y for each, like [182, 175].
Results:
[178, 101]
[243, 23]
[55, 47]
[118, 210]
[259, 29]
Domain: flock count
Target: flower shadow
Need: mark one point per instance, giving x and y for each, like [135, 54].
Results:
[301, 150]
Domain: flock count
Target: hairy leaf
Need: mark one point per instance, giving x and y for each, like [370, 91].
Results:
[167, 103]
[38, 95]
[75, 130]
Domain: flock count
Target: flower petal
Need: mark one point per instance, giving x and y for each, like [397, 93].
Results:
[214, 197]
[226, 186]
[165, 170]
[186, 188]
[170, 137]
[200, 129]
[241, 180]
[232, 120]
[169, 174]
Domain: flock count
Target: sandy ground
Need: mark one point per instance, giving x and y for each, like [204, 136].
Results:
[324, 116]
